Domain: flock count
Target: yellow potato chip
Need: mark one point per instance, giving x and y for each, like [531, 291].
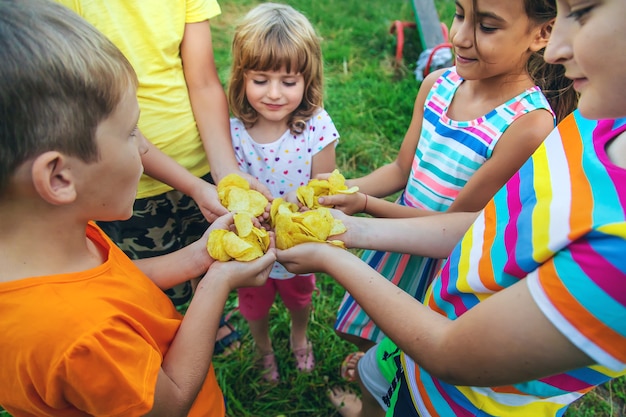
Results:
[239, 249]
[215, 247]
[257, 202]
[243, 223]
[235, 194]
[309, 194]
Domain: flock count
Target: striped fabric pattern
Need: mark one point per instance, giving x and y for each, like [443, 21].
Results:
[569, 246]
[449, 152]
[447, 155]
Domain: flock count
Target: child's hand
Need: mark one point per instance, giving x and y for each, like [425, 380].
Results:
[348, 203]
[237, 274]
[205, 196]
[357, 229]
[292, 197]
[307, 258]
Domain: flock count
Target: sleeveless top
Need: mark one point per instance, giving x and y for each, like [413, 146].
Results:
[448, 153]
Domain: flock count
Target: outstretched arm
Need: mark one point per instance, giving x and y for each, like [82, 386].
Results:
[505, 339]
[165, 169]
[188, 358]
[434, 236]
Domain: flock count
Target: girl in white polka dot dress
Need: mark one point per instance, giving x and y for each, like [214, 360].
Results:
[283, 137]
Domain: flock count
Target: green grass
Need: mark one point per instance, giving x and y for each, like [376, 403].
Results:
[370, 99]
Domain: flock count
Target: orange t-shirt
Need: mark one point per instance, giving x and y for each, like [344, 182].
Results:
[89, 343]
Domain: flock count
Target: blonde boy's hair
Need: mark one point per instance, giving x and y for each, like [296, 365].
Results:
[272, 36]
[59, 78]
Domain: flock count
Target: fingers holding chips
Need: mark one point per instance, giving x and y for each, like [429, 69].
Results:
[246, 244]
[309, 194]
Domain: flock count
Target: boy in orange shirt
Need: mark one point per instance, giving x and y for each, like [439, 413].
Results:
[85, 330]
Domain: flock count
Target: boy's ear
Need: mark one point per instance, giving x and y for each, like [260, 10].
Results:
[53, 179]
[542, 36]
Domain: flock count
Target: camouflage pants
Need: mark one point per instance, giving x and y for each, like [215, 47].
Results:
[160, 225]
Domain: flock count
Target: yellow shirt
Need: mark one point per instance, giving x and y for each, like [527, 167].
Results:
[149, 34]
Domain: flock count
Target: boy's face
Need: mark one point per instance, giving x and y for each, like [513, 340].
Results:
[589, 38]
[110, 184]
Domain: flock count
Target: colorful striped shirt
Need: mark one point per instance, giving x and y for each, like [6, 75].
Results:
[559, 223]
[449, 152]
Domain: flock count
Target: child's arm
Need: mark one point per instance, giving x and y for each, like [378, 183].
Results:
[513, 149]
[324, 160]
[189, 262]
[505, 339]
[209, 104]
[391, 177]
[165, 169]
[187, 361]
[434, 237]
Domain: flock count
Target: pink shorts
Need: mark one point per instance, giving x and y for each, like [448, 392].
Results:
[255, 302]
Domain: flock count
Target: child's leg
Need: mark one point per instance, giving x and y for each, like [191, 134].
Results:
[348, 403]
[260, 331]
[377, 373]
[296, 294]
[299, 324]
[254, 305]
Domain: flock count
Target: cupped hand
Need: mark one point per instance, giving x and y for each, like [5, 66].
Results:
[238, 274]
[307, 258]
[347, 203]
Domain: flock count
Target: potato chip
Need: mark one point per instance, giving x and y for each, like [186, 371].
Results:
[235, 194]
[215, 247]
[309, 194]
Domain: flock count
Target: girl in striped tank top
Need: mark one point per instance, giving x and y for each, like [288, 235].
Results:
[528, 313]
[473, 126]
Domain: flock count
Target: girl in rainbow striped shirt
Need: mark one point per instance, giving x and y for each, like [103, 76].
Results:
[529, 311]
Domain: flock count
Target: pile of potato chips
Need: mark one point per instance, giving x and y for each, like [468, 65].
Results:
[247, 244]
[335, 184]
[291, 226]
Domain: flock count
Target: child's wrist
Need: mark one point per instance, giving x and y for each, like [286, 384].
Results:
[365, 205]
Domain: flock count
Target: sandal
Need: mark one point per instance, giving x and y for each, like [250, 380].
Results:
[227, 341]
[270, 368]
[348, 366]
[305, 361]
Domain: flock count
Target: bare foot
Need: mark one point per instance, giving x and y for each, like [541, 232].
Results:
[348, 366]
[345, 401]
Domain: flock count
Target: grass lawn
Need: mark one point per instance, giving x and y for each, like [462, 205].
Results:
[370, 99]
